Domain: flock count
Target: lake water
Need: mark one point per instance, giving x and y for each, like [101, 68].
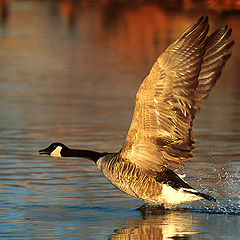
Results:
[69, 73]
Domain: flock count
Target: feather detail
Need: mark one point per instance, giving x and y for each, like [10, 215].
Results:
[169, 97]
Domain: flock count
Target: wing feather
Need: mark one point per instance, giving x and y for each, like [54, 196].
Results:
[169, 97]
[217, 54]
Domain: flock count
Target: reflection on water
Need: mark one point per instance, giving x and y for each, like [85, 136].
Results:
[69, 73]
[177, 225]
[161, 225]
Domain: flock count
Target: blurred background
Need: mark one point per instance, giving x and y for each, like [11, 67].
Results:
[69, 73]
[56, 54]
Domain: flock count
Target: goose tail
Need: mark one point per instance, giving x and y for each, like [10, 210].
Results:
[203, 195]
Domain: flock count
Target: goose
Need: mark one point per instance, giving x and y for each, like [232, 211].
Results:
[160, 138]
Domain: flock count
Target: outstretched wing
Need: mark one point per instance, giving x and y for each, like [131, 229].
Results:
[169, 97]
[216, 55]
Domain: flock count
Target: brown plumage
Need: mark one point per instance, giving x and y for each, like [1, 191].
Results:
[161, 132]
[171, 94]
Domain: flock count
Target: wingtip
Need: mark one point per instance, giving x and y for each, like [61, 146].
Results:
[229, 31]
[203, 16]
[201, 24]
[206, 17]
[202, 19]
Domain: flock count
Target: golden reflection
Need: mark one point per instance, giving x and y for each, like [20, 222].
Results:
[161, 225]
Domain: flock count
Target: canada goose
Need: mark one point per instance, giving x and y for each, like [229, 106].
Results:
[160, 133]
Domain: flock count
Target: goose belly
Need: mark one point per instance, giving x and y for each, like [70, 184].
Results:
[132, 180]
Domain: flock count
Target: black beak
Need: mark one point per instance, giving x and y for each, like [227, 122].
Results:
[45, 151]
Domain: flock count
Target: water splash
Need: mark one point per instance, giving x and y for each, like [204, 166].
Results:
[226, 192]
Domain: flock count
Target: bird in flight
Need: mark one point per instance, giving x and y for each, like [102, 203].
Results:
[161, 132]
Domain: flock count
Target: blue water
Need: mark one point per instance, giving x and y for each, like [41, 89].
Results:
[69, 73]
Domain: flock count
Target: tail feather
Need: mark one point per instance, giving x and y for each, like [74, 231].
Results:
[171, 179]
[203, 195]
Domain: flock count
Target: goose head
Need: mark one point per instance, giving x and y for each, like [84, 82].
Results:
[54, 150]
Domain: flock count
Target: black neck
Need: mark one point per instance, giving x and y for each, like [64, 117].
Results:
[92, 155]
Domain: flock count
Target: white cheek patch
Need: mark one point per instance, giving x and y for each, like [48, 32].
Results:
[56, 152]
